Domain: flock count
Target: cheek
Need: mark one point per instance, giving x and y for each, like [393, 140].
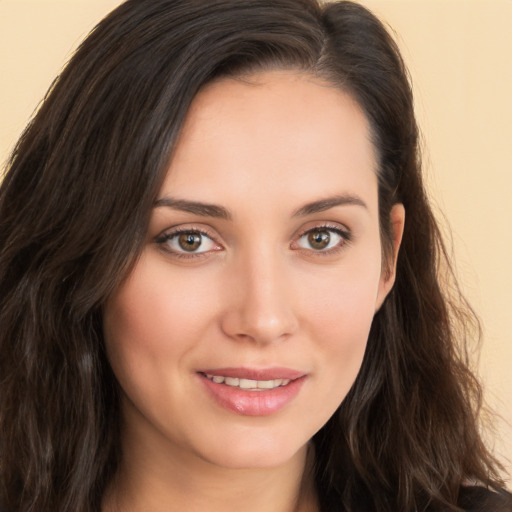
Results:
[149, 310]
[341, 311]
[343, 301]
[147, 325]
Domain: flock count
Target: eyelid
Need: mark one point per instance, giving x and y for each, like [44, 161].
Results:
[344, 232]
[170, 233]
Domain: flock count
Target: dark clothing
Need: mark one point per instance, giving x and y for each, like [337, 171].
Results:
[471, 499]
[478, 499]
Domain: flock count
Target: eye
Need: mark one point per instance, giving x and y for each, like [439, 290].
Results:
[322, 239]
[187, 242]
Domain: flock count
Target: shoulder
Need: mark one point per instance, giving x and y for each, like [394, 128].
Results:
[479, 499]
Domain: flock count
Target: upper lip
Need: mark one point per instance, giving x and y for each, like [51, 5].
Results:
[255, 373]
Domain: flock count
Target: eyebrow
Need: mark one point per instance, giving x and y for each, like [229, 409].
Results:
[219, 212]
[195, 207]
[330, 202]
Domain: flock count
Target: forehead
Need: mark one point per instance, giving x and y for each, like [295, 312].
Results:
[282, 132]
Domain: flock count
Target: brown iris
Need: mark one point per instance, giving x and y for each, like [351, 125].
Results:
[189, 241]
[319, 239]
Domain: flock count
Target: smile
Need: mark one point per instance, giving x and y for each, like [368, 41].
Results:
[252, 392]
[248, 384]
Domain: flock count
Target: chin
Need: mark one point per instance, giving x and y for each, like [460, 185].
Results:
[253, 452]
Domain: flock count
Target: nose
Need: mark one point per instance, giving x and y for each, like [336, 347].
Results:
[260, 307]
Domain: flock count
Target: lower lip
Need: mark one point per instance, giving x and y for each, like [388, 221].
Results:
[253, 403]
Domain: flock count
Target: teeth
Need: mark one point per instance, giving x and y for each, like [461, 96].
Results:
[269, 384]
[248, 383]
[232, 381]
[254, 385]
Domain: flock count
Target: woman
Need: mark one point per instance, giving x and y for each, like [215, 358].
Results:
[219, 276]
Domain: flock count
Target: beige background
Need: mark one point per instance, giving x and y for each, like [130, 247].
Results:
[459, 54]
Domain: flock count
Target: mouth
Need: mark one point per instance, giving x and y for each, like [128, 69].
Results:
[247, 384]
[251, 392]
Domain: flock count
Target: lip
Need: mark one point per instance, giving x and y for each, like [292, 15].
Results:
[253, 403]
[255, 373]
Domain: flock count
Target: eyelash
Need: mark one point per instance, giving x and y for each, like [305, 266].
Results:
[344, 234]
[166, 237]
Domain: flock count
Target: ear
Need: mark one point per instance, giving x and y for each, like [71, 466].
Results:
[388, 273]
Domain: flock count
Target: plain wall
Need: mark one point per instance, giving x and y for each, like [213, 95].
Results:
[459, 54]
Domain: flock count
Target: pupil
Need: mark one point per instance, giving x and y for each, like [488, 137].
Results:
[319, 239]
[190, 241]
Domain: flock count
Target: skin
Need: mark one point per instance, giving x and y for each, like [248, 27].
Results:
[255, 295]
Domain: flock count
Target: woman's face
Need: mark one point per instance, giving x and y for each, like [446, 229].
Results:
[244, 323]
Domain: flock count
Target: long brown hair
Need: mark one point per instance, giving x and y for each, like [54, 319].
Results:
[74, 209]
